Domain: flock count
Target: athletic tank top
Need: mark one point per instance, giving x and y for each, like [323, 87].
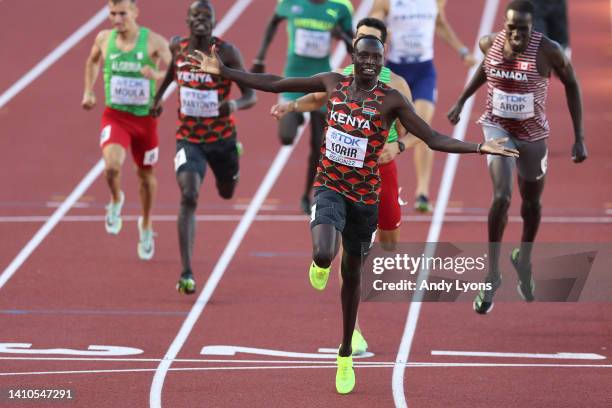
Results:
[354, 138]
[412, 25]
[124, 86]
[385, 78]
[199, 98]
[516, 92]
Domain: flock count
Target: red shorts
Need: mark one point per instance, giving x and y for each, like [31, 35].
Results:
[389, 212]
[128, 130]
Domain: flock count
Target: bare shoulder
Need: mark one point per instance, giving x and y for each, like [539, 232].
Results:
[551, 49]
[102, 37]
[486, 42]
[399, 83]
[158, 40]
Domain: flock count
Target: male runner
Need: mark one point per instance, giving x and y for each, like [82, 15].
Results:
[389, 211]
[131, 56]
[360, 112]
[412, 24]
[206, 130]
[550, 19]
[517, 67]
[310, 27]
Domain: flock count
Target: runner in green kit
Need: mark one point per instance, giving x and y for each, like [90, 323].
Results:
[130, 55]
[310, 27]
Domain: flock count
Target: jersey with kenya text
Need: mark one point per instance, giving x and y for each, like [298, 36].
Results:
[516, 95]
[199, 96]
[354, 139]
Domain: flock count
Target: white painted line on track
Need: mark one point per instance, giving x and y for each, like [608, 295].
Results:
[97, 169]
[387, 365]
[297, 218]
[55, 55]
[450, 168]
[211, 284]
[557, 356]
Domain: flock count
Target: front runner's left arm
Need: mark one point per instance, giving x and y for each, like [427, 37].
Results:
[564, 70]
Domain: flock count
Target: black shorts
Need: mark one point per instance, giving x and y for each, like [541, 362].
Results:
[356, 221]
[221, 156]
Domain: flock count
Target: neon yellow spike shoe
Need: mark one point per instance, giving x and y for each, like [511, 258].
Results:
[358, 343]
[345, 375]
[318, 276]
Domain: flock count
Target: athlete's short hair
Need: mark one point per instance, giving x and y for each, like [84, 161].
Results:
[121, 1]
[374, 23]
[368, 37]
[522, 6]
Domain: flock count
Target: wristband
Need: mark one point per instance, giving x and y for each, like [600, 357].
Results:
[401, 146]
[233, 106]
[478, 148]
[463, 52]
[258, 62]
[294, 106]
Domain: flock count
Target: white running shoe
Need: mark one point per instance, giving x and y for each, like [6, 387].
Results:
[112, 221]
[146, 243]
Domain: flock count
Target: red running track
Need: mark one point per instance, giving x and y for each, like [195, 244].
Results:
[81, 287]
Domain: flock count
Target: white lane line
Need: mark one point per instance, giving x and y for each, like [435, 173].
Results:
[559, 355]
[211, 284]
[386, 365]
[55, 55]
[97, 169]
[450, 167]
[298, 218]
[40, 235]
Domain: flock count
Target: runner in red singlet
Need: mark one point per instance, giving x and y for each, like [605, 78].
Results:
[206, 132]
[517, 67]
[360, 112]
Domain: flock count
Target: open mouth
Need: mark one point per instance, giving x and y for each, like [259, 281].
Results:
[369, 70]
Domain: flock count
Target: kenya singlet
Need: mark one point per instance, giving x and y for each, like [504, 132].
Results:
[354, 139]
[199, 98]
[516, 95]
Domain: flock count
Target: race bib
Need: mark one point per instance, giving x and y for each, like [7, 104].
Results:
[312, 44]
[513, 106]
[195, 102]
[410, 45]
[343, 148]
[130, 91]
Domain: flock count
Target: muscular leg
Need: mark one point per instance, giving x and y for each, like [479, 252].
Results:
[317, 125]
[500, 170]
[351, 286]
[189, 184]
[147, 187]
[114, 156]
[423, 155]
[325, 244]
[287, 127]
[531, 211]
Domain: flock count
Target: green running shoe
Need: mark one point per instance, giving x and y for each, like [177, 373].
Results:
[526, 284]
[345, 375]
[358, 343]
[112, 221]
[483, 303]
[186, 284]
[422, 204]
[239, 148]
[318, 276]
